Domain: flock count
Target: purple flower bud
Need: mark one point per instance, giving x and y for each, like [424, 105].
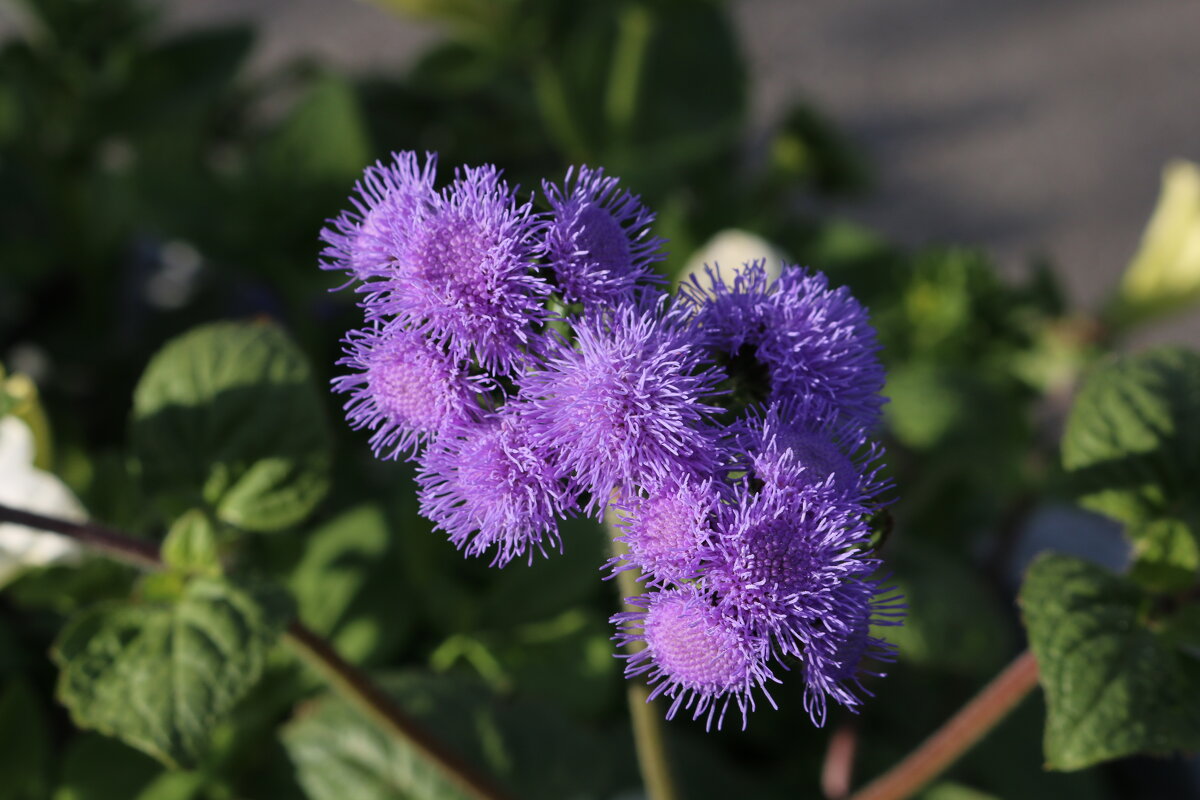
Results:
[694, 654]
[464, 273]
[809, 339]
[363, 241]
[667, 532]
[597, 239]
[403, 389]
[488, 489]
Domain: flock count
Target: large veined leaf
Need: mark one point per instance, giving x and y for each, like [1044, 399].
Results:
[226, 418]
[1132, 447]
[1132, 440]
[160, 676]
[1116, 682]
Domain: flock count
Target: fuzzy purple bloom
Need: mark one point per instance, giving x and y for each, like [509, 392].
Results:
[363, 241]
[487, 488]
[694, 654]
[623, 405]
[667, 532]
[465, 274]
[778, 552]
[597, 239]
[806, 338]
[403, 388]
[805, 442]
[792, 565]
[733, 425]
[840, 646]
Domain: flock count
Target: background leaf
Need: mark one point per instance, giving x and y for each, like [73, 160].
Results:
[24, 742]
[538, 753]
[1132, 441]
[349, 585]
[227, 418]
[191, 545]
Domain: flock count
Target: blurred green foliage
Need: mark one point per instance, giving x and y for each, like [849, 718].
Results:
[149, 184]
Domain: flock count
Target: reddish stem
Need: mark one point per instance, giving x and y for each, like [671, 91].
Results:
[972, 722]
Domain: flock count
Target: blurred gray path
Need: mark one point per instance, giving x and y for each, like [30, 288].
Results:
[1023, 127]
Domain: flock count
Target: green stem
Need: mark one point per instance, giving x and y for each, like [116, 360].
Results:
[344, 678]
[625, 78]
[645, 715]
[556, 112]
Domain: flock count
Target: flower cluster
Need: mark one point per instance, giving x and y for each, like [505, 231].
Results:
[532, 364]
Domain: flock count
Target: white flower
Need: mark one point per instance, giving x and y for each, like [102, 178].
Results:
[1164, 276]
[732, 248]
[28, 488]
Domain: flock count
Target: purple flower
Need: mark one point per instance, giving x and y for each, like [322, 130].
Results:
[840, 645]
[804, 442]
[484, 486]
[362, 241]
[791, 564]
[751, 535]
[464, 271]
[403, 388]
[597, 239]
[700, 658]
[667, 532]
[622, 405]
[795, 337]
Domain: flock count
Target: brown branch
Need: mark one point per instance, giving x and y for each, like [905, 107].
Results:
[838, 770]
[348, 680]
[116, 545]
[972, 722]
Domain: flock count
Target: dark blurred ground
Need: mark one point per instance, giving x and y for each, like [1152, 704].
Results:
[1021, 127]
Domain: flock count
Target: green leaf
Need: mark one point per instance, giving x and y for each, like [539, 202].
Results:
[98, 768]
[950, 790]
[1166, 555]
[1114, 684]
[349, 585]
[24, 743]
[954, 621]
[226, 417]
[339, 754]
[681, 107]
[161, 676]
[191, 545]
[1132, 440]
[323, 140]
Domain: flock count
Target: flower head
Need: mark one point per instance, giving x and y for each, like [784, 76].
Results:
[792, 566]
[780, 552]
[797, 335]
[694, 654]
[487, 488]
[666, 533]
[363, 241]
[838, 648]
[403, 388]
[597, 239]
[464, 273]
[803, 442]
[623, 404]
